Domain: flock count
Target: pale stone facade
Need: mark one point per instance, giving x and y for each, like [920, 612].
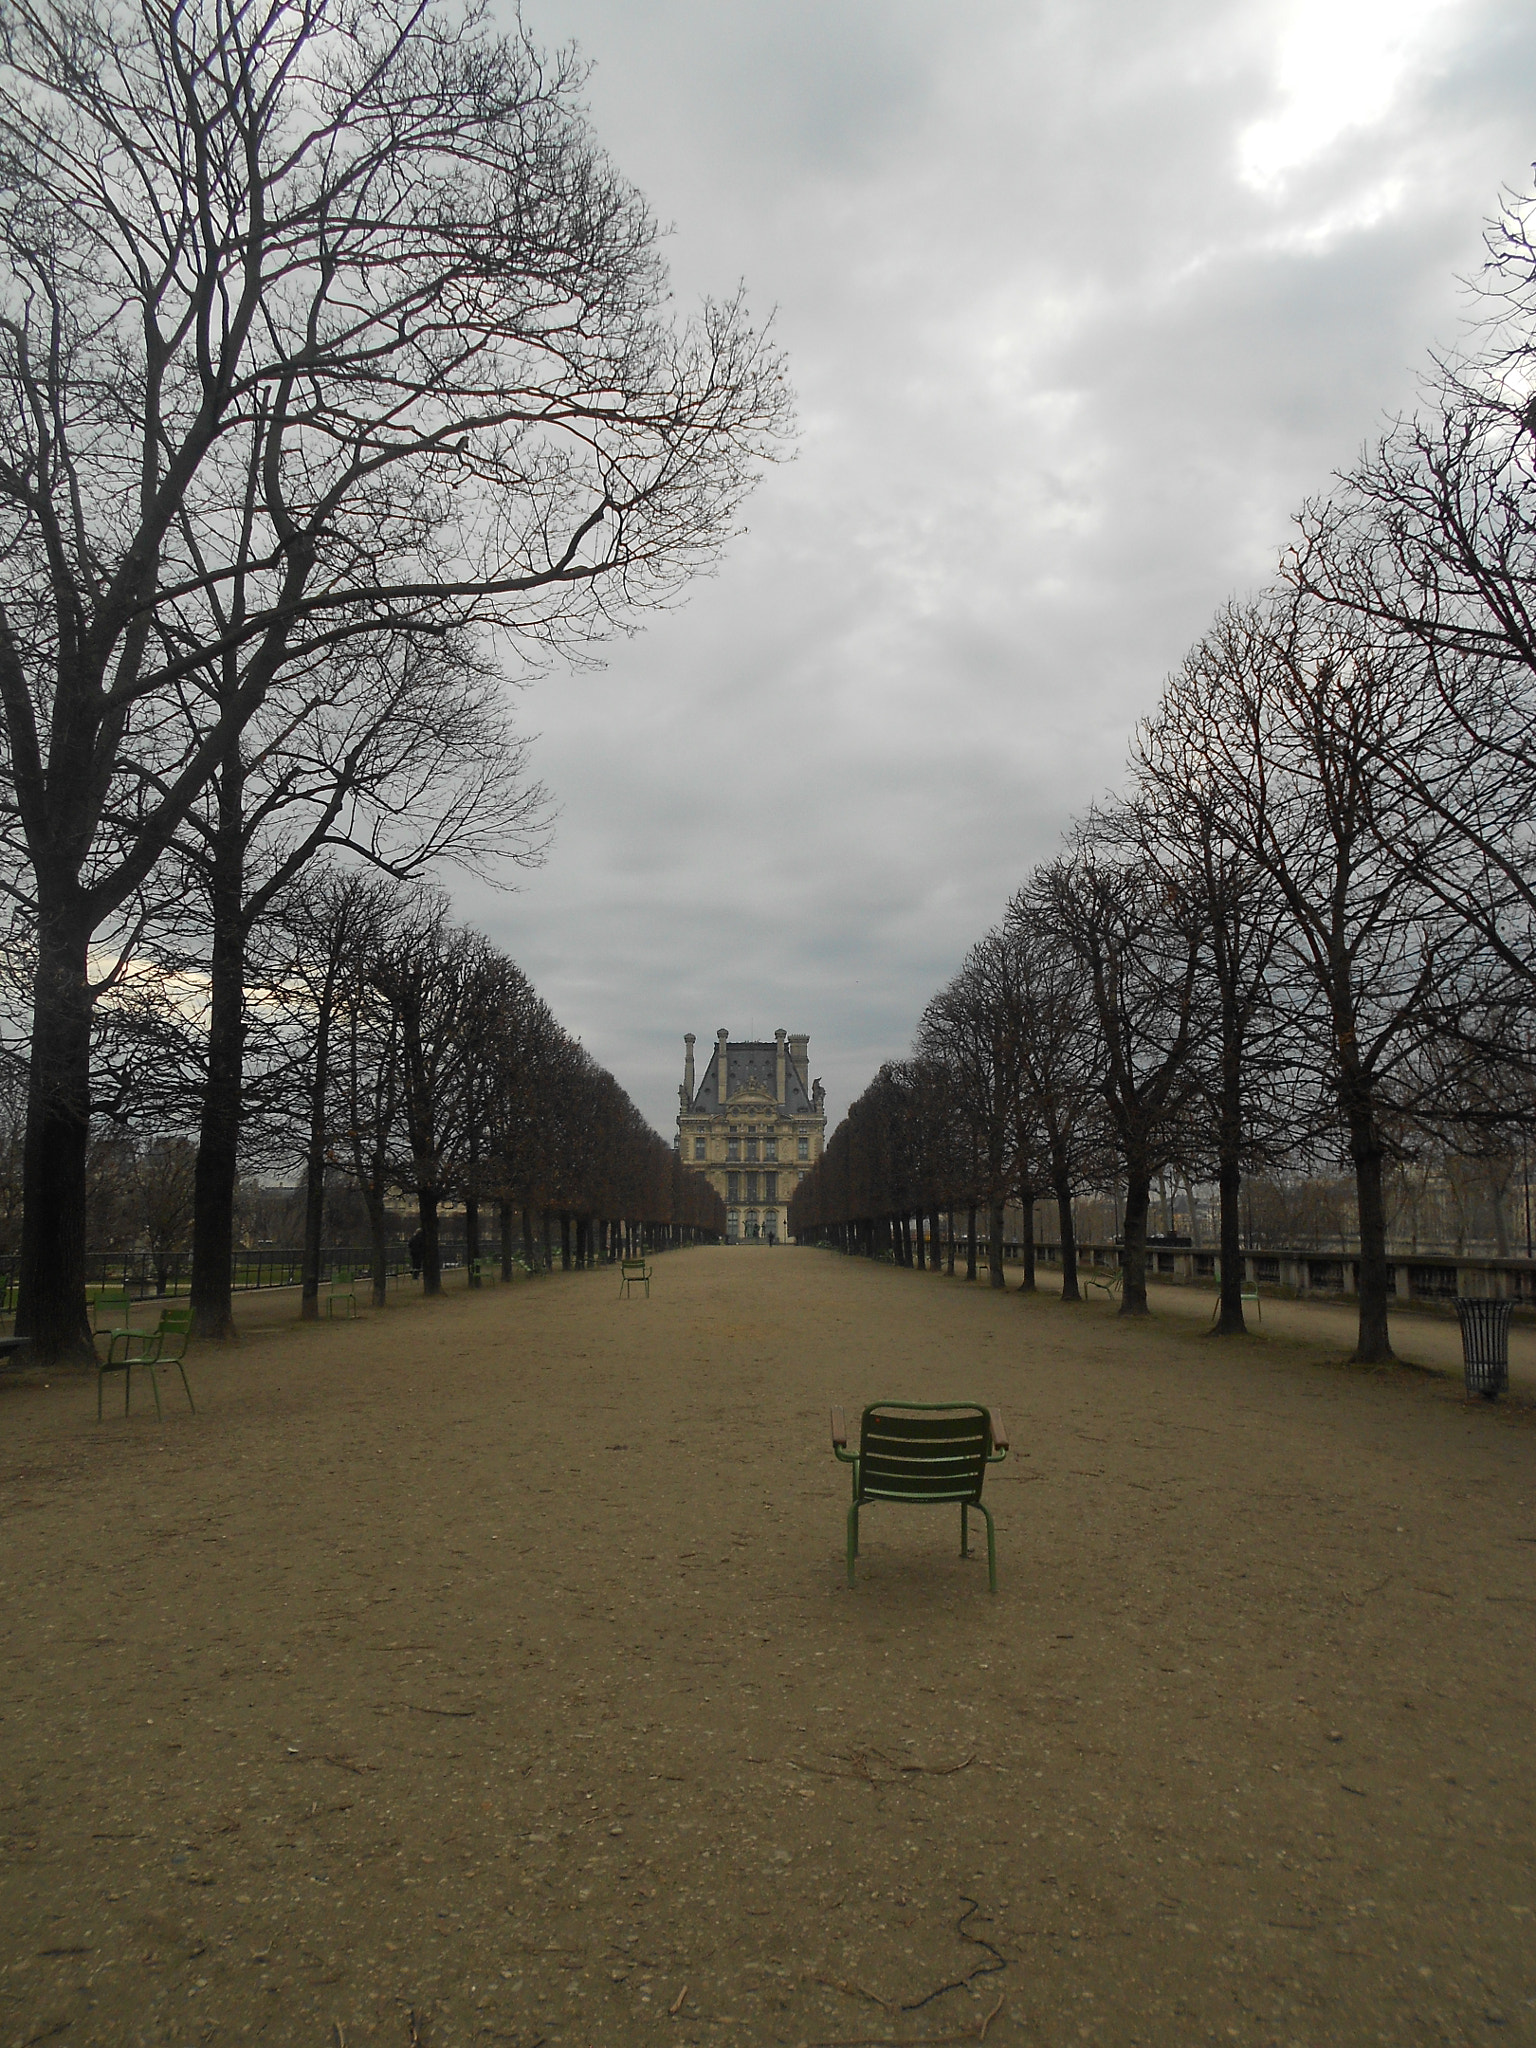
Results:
[753, 1125]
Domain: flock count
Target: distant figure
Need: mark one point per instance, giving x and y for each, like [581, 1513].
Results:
[416, 1245]
[818, 1096]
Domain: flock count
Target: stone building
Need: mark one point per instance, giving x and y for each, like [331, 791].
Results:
[753, 1125]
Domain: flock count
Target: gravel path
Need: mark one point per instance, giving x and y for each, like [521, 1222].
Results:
[483, 1671]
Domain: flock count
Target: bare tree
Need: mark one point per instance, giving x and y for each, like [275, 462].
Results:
[972, 1029]
[1175, 823]
[333, 923]
[396, 750]
[1060, 1059]
[1139, 942]
[1287, 709]
[318, 324]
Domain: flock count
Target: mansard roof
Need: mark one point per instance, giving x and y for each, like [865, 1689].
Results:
[750, 1064]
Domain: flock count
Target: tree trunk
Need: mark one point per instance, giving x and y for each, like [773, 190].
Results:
[949, 1248]
[431, 1254]
[530, 1258]
[565, 1240]
[218, 1138]
[51, 1310]
[970, 1242]
[504, 1217]
[378, 1235]
[314, 1172]
[314, 1223]
[918, 1245]
[1133, 1256]
[1068, 1229]
[1230, 1321]
[1027, 1204]
[471, 1239]
[1374, 1344]
[995, 1277]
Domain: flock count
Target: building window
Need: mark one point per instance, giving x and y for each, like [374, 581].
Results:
[732, 1227]
[733, 1148]
[700, 1149]
[770, 1148]
[751, 1187]
[803, 1149]
[770, 1187]
[751, 1148]
[733, 1187]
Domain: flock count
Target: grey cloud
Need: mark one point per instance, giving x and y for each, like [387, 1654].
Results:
[1064, 379]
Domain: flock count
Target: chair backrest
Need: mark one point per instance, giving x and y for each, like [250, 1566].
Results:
[111, 1301]
[911, 1450]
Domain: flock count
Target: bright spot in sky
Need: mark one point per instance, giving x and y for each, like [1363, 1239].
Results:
[1340, 64]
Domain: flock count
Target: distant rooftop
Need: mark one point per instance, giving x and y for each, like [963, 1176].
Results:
[749, 1060]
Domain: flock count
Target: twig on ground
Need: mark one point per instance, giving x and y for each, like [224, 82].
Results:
[855, 1991]
[976, 2033]
[677, 2004]
[448, 1713]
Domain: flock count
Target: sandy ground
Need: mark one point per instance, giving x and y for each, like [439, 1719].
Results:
[483, 1670]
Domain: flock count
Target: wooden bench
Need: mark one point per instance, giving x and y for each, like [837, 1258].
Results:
[927, 1454]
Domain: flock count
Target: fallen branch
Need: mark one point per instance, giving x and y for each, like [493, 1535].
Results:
[999, 1962]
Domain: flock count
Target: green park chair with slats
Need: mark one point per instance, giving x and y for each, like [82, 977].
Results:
[634, 1273]
[927, 1454]
[148, 1350]
[342, 1298]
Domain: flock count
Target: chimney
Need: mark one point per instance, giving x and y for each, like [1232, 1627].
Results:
[800, 1058]
[722, 1054]
[688, 1066]
[778, 1067]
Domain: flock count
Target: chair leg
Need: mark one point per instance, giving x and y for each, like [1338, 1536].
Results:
[127, 1387]
[183, 1371]
[101, 1379]
[853, 1539]
[154, 1387]
[965, 1532]
[991, 1548]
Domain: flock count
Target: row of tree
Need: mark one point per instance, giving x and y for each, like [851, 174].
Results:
[337, 383]
[1307, 929]
[428, 1064]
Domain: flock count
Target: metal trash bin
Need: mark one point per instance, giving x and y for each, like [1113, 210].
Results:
[1484, 1344]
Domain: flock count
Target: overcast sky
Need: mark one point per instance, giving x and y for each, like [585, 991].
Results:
[1081, 299]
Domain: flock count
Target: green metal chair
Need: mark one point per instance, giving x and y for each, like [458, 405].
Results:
[634, 1273]
[341, 1295]
[1104, 1283]
[928, 1454]
[165, 1345]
